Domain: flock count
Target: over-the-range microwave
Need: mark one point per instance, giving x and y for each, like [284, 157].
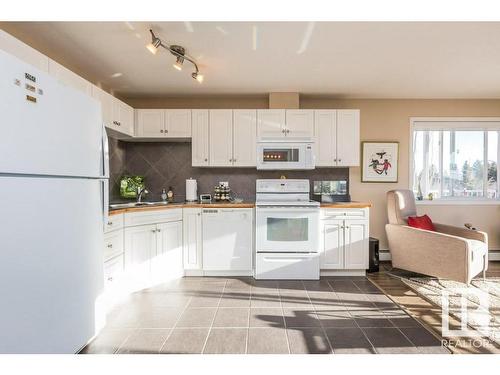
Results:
[285, 155]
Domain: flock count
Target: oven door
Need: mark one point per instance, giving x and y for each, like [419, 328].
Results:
[282, 156]
[287, 229]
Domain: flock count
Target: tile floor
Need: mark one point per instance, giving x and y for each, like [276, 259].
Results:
[427, 313]
[242, 315]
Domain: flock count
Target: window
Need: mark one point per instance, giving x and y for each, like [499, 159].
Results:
[455, 159]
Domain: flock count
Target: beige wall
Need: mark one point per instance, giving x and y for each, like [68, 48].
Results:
[386, 120]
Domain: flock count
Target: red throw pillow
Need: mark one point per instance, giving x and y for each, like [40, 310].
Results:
[421, 222]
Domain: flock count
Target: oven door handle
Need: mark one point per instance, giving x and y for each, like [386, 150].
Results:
[286, 208]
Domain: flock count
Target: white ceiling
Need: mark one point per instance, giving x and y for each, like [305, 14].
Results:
[344, 60]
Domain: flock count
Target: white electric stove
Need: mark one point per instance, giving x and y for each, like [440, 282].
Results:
[287, 230]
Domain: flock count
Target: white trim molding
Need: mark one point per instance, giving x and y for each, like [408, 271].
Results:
[459, 123]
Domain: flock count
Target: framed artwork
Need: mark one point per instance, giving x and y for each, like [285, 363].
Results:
[379, 161]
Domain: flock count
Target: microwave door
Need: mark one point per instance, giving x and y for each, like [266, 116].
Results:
[281, 157]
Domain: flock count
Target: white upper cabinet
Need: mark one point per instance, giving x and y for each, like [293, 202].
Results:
[116, 115]
[271, 124]
[123, 117]
[163, 123]
[336, 133]
[348, 137]
[106, 105]
[299, 124]
[23, 52]
[178, 123]
[281, 124]
[150, 123]
[68, 78]
[199, 135]
[221, 137]
[244, 137]
[325, 132]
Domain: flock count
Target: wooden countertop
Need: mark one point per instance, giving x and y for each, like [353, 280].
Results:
[182, 205]
[352, 204]
[227, 205]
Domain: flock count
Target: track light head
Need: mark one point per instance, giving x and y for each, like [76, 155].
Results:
[198, 76]
[178, 63]
[155, 43]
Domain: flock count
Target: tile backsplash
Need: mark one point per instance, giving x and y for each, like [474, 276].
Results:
[169, 164]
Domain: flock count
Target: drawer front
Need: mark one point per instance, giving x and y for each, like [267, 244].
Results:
[338, 213]
[114, 222]
[152, 217]
[113, 244]
[113, 268]
[287, 266]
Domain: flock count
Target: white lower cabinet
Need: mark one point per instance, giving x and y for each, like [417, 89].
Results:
[192, 239]
[332, 254]
[153, 250]
[356, 244]
[113, 268]
[167, 263]
[344, 239]
[140, 247]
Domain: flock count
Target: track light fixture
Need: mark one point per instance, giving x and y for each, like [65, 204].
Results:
[178, 51]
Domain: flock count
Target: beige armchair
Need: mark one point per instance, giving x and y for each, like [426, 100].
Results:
[451, 252]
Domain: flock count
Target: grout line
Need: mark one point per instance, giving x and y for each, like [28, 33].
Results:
[213, 319]
[175, 324]
[284, 320]
[408, 312]
[319, 321]
[357, 325]
[133, 330]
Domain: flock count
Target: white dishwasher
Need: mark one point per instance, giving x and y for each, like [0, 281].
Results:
[227, 239]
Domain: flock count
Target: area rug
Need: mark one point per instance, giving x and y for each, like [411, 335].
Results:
[482, 317]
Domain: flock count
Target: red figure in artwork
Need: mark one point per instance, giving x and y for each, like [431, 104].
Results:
[386, 165]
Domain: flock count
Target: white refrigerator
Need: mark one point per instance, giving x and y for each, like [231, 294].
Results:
[53, 200]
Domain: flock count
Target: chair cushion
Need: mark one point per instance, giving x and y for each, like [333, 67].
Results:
[421, 222]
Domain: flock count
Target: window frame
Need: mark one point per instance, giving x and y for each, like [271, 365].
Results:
[449, 124]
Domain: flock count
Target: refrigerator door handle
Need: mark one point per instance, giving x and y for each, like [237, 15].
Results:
[105, 201]
[104, 153]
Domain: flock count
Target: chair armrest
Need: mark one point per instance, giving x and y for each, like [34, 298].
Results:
[462, 232]
[428, 252]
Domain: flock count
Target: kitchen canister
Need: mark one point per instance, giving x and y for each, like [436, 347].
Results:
[191, 190]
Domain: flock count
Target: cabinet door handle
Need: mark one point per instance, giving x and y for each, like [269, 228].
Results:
[287, 131]
[283, 131]
[110, 245]
[161, 130]
[206, 159]
[153, 230]
[199, 214]
[110, 278]
[340, 160]
[110, 223]
[234, 160]
[166, 131]
[158, 230]
[335, 159]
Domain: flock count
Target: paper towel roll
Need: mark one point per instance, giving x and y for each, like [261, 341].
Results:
[191, 190]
